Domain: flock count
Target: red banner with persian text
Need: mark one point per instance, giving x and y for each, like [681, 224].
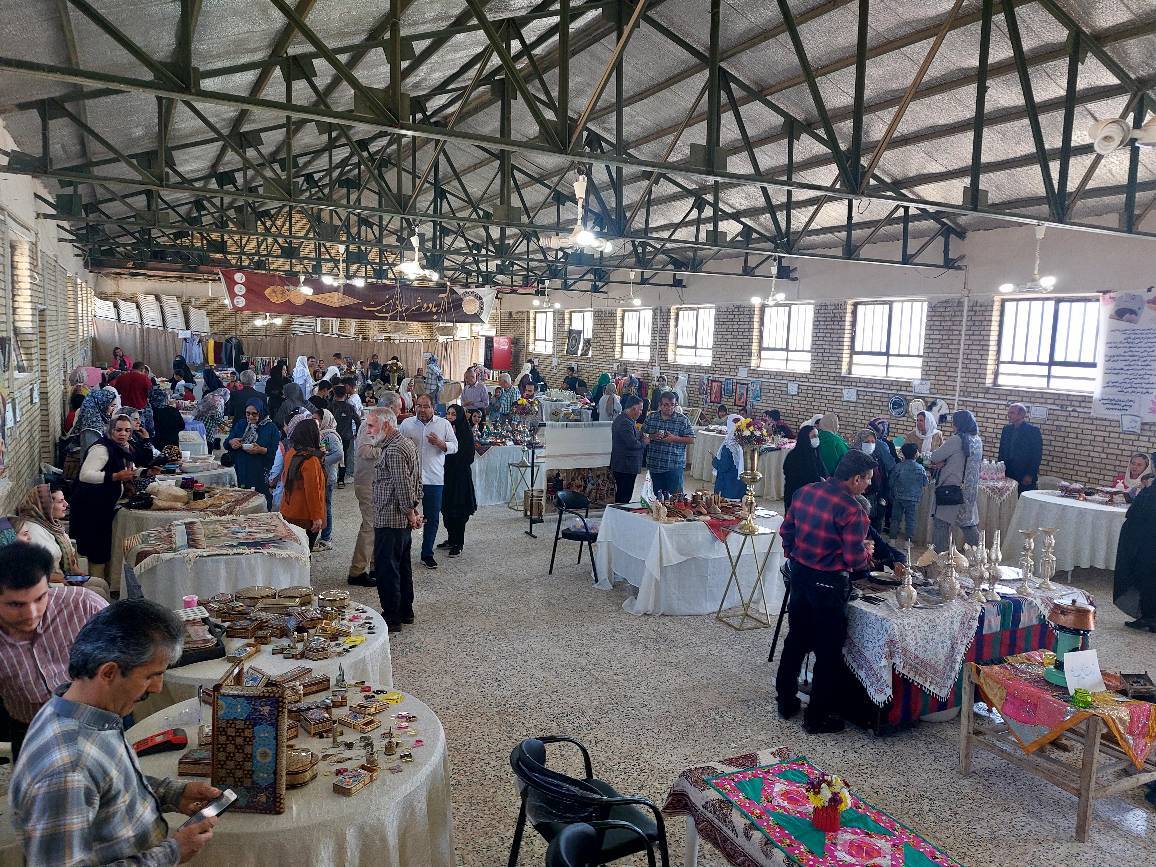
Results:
[258, 292]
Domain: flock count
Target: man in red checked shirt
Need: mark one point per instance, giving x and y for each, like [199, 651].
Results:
[824, 537]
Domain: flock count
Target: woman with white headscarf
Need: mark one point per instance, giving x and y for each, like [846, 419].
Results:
[303, 376]
[728, 463]
[928, 436]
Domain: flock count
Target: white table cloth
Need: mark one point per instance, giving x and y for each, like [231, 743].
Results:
[678, 568]
[1086, 533]
[398, 820]
[996, 504]
[706, 446]
[193, 442]
[129, 522]
[167, 581]
[369, 661]
[222, 477]
[491, 473]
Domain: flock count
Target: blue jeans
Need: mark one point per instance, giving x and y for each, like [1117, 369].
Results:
[669, 481]
[431, 507]
[909, 515]
[327, 530]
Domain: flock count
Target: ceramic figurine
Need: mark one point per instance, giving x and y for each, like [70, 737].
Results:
[390, 744]
[340, 684]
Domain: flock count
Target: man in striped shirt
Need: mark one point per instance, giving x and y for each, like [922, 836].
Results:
[38, 624]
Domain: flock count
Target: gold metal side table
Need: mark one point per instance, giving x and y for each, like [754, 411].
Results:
[745, 615]
[523, 476]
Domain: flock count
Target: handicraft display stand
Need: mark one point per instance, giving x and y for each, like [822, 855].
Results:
[745, 615]
[1105, 770]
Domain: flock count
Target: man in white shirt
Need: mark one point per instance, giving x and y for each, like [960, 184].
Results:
[434, 438]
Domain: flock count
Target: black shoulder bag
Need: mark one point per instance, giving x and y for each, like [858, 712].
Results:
[952, 495]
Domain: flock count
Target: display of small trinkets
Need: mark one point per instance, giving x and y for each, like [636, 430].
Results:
[350, 781]
[358, 721]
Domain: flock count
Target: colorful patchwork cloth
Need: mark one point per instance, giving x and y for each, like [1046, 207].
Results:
[754, 810]
[1038, 712]
[928, 645]
[267, 534]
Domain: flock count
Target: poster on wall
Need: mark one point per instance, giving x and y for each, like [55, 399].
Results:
[702, 389]
[756, 391]
[741, 390]
[1126, 375]
[573, 341]
[715, 391]
[728, 388]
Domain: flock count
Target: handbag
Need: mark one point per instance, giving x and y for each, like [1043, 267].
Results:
[952, 495]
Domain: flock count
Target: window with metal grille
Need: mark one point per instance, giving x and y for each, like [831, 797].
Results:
[636, 331]
[1049, 343]
[694, 335]
[888, 339]
[543, 332]
[785, 343]
[583, 321]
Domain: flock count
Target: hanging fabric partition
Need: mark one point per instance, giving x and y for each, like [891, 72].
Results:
[156, 347]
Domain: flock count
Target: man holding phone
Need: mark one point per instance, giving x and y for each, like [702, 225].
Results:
[78, 793]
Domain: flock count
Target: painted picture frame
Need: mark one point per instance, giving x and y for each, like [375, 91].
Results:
[728, 390]
[741, 392]
[756, 391]
[715, 391]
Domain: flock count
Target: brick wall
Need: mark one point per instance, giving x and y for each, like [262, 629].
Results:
[1076, 446]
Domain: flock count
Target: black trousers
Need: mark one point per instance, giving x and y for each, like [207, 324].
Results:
[625, 483]
[393, 572]
[818, 624]
[456, 530]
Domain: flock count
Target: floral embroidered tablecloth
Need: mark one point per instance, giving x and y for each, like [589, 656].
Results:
[927, 645]
[1037, 711]
[754, 810]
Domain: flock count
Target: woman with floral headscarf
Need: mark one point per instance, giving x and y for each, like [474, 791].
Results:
[303, 479]
[958, 461]
[93, 416]
[728, 463]
[44, 508]
[211, 413]
[253, 444]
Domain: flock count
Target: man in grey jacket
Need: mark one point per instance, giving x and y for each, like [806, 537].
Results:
[368, 452]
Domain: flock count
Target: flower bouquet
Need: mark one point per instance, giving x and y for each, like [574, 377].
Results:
[752, 433]
[522, 406]
[829, 797]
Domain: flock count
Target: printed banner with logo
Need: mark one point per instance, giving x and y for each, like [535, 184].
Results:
[259, 292]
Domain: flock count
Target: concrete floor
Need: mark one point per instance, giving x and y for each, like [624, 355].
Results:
[502, 651]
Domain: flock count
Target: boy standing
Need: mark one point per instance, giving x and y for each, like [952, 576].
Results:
[907, 481]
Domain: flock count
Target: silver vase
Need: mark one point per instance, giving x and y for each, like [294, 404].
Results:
[1048, 559]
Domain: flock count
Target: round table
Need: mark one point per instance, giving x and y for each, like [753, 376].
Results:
[1086, 533]
[129, 522]
[996, 504]
[398, 820]
[369, 661]
[169, 580]
[221, 477]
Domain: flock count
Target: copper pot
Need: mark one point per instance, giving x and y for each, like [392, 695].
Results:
[1073, 616]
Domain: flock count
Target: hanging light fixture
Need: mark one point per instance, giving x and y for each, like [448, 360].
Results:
[302, 287]
[775, 297]
[1037, 285]
[581, 239]
[413, 269]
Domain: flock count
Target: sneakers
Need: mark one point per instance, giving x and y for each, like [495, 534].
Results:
[393, 628]
[429, 562]
[407, 619]
[443, 545]
[362, 580]
[322, 545]
[455, 552]
[827, 726]
[1141, 624]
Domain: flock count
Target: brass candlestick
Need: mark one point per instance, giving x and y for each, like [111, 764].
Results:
[750, 477]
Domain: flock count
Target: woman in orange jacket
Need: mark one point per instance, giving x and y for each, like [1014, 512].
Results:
[303, 502]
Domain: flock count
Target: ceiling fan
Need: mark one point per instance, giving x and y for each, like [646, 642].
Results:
[1037, 285]
[580, 239]
[1115, 133]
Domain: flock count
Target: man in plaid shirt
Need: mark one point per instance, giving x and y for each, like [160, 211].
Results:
[397, 490]
[824, 537]
[78, 795]
[667, 434]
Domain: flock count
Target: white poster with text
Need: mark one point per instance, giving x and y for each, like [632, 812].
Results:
[1126, 380]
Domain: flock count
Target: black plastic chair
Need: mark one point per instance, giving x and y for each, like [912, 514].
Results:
[581, 845]
[552, 801]
[786, 573]
[569, 503]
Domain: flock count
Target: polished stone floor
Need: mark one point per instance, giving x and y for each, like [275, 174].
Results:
[502, 651]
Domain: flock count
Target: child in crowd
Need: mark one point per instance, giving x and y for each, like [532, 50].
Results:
[908, 479]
